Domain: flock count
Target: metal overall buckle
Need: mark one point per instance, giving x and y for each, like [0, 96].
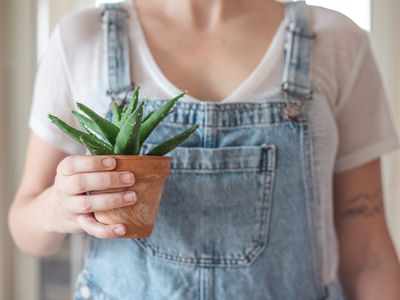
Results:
[292, 111]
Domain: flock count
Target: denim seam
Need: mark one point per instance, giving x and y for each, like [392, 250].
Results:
[214, 134]
[274, 105]
[227, 107]
[247, 259]
[267, 151]
[309, 200]
[239, 126]
[209, 283]
[269, 193]
[178, 170]
[202, 287]
[316, 198]
[265, 209]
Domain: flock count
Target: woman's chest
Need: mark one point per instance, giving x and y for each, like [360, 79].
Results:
[209, 65]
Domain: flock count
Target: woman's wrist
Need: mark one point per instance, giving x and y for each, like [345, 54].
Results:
[52, 237]
[47, 205]
[30, 220]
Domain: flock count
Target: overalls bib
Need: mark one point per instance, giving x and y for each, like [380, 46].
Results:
[235, 220]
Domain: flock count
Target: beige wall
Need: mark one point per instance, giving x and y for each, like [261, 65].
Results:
[5, 242]
[19, 274]
[386, 39]
[18, 47]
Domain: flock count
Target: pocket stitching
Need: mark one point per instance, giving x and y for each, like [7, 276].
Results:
[267, 167]
[265, 149]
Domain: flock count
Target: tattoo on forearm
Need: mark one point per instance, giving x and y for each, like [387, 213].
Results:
[364, 205]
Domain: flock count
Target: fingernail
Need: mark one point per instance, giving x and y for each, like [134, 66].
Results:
[108, 162]
[129, 197]
[119, 230]
[127, 178]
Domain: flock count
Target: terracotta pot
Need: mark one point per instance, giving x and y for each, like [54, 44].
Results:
[150, 173]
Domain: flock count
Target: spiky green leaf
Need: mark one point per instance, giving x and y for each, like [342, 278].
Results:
[124, 109]
[85, 122]
[172, 143]
[116, 114]
[155, 118]
[93, 144]
[107, 129]
[70, 131]
[148, 116]
[131, 107]
[96, 146]
[127, 142]
[152, 112]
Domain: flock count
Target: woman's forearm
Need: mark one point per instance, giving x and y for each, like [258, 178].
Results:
[381, 283]
[369, 268]
[29, 225]
[377, 279]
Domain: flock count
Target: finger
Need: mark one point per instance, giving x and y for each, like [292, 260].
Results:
[89, 224]
[81, 183]
[85, 163]
[90, 203]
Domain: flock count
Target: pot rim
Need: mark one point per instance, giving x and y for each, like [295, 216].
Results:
[145, 162]
[138, 157]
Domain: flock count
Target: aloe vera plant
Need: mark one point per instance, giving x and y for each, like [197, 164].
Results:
[126, 133]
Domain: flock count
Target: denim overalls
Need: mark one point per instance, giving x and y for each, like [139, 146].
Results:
[235, 221]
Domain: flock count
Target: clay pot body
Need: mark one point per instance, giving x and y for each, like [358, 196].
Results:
[150, 173]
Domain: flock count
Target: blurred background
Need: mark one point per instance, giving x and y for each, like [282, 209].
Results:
[25, 26]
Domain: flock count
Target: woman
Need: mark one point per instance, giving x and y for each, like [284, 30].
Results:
[250, 210]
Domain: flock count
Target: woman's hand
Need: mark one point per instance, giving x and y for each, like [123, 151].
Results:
[71, 207]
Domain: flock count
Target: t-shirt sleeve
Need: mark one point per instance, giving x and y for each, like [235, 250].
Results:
[362, 114]
[52, 94]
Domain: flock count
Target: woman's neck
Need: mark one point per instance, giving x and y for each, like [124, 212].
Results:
[207, 14]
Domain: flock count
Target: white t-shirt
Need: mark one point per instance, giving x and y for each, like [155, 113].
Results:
[349, 112]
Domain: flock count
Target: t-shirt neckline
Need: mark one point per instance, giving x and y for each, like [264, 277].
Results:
[251, 82]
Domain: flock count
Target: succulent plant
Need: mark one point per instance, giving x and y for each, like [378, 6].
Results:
[128, 130]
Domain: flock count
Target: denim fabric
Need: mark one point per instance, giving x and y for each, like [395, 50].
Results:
[235, 212]
[236, 216]
[116, 41]
[297, 52]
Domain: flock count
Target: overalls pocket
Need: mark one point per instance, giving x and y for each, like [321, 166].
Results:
[215, 206]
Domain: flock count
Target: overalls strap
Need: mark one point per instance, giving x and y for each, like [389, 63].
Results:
[116, 47]
[297, 52]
